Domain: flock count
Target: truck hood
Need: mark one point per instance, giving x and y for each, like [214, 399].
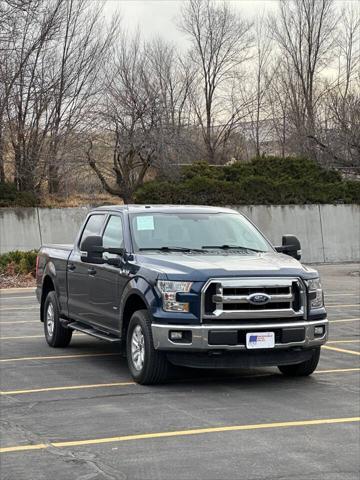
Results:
[201, 267]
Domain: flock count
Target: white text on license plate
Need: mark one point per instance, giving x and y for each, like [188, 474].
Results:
[260, 340]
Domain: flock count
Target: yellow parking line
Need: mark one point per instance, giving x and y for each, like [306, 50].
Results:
[76, 334]
[345, 320]
[341, 294]
[123, 384]
[79, 334]
[15, 322]
[341, 350]
[355, 319]
[181, 433]
[354, 340]
[343, 305]
[339, 370]
[55, 357]
[15, 297]
[26, 336]
[6, 309]
[21, 448]
[69, 387]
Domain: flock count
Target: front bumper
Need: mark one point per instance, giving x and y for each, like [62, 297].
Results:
[202, 336]
[225, 359]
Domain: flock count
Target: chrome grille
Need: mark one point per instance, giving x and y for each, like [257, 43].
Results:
[236, 298]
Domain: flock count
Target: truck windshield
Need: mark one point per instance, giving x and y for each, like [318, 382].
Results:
[200, 231]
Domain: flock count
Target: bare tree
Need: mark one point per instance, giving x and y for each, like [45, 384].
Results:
[306, 32]
[220, 44]
[131, 114]
[279, 106]
[56, 50]
[343, 99]
[255, 85]
[25, 25]
[73, 88]
[77, 62]
[174, 78]
[27, 93]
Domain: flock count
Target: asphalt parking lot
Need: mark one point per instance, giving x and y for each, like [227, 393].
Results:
[75, 413]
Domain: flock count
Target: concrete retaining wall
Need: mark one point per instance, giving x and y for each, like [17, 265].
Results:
[328, 233]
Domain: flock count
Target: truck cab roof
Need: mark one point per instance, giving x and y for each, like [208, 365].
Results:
[165, 209]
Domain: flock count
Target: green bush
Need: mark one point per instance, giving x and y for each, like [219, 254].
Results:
[10, 197]
[18, 262]
[268, 180]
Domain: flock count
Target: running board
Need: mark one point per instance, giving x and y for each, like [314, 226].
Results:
[93, 332]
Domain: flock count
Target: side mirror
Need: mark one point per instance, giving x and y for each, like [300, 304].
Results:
[113, 250]
[115, 261]
[290, 246]
[92, 250]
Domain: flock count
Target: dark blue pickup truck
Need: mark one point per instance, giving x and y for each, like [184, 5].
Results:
[185, 285]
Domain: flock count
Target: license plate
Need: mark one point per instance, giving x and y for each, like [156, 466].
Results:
[260, 340]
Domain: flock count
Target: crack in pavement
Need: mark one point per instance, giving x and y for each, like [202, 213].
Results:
[80, 457]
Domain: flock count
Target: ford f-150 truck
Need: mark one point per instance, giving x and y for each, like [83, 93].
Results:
[192, 286]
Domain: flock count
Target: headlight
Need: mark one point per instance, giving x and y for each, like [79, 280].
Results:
[316, 297]
[169, 290]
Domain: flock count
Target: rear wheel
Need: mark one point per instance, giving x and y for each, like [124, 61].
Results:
[147, 365]
[302, 369]
[55, 334]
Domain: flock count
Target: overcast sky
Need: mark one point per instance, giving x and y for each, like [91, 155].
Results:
[159, 17]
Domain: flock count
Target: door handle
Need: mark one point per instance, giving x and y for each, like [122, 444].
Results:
[91, 271]
[71, 266]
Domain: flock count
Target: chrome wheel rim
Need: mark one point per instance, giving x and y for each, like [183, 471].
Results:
[50, 319]
[138, 348]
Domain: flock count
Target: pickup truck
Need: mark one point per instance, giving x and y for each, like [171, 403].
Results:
[192, 286]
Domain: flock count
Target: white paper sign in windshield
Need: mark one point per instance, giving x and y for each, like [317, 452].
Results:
[145, 222]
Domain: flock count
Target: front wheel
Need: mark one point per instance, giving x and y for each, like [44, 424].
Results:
[147, 365]
[302, 369]
[55, 334]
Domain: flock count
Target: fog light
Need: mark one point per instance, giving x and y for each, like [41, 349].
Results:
[180, 336]
[176, 335]
[319, 331]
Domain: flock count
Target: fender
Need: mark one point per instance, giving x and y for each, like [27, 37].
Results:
[143, 289]
[51, 272]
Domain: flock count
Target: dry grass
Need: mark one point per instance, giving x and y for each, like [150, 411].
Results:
[17, 281]
[79, 200]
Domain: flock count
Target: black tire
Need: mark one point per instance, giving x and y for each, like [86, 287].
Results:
[302, 369]
[155, 366]
[57, 336]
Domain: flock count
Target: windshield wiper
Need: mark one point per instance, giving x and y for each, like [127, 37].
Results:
[233, 247]
[172, 249]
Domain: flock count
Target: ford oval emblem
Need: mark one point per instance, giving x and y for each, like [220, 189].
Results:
[258, 298]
